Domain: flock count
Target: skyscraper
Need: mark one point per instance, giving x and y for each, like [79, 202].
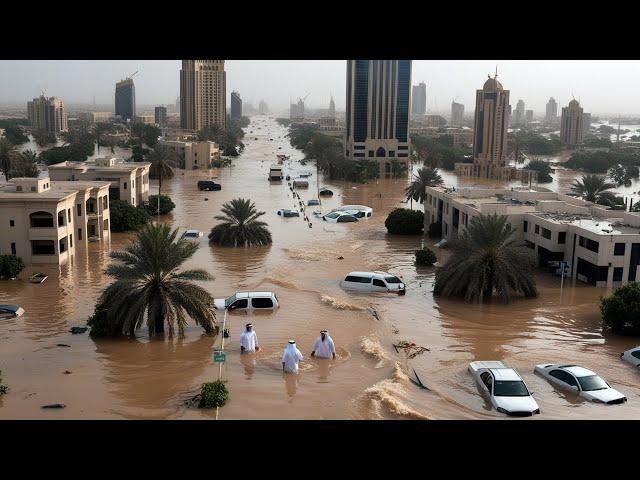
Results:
[457, 114]
[263, 109]
[519, 114]
[586, 123]
[377, 117]
[236, 106]
[203, 94]
[332, 108]
[126, 99]
[419, 99]
[528, 116]
[161, 115]
[296, 110]
[571, 124]
[552, 111]
[47, 114]
[490, 136]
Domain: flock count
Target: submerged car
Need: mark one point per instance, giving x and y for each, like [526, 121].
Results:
[192, 234]
[585, 383]
[248, 301]
[359, 211]
[283, 212]
[38, 277]
[632, 356]
[209, 185]
[504, 387]
[313, 201]
[339, 217]
[325, 192]
[373, 282]
[11, 311]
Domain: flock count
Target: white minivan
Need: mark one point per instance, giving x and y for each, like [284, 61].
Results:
[248, 301]
[373, 282]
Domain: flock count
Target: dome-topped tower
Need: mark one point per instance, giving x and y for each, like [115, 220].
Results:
[492, 85]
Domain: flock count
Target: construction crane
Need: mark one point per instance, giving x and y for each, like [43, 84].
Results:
[303, 99]
[131, 76]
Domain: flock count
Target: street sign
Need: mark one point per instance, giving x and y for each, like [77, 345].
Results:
[219, 356]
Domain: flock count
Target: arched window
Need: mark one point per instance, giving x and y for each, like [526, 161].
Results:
[380, 152]
[41, 220]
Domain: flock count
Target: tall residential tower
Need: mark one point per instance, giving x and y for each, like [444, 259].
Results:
[457, 114]
[47, 114]
[236, 106]
[552, 111]
[203, 94]
[126, 99]
[571, 124]
[419, 99]
[377, 116]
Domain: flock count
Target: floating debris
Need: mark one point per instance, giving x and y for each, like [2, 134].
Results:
[67, 372]
[373, 312]
[62, 345]
[54, 405]
[411, 349]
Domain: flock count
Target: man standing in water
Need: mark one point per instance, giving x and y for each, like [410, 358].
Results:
[249, 340]
[324, 347]
[291, 357]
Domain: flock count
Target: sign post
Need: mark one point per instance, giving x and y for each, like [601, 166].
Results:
[563, 267]
[219, 356]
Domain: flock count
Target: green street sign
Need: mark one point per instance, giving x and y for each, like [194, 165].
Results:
[219, 356]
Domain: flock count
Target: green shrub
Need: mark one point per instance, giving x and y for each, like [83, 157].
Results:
[404, 221]
[621, 311]
[435, 229]
[425, 257]
[213, 394]
[166, 205]
[3, 388]
[104, 325]
[126, 217]
[10, 266]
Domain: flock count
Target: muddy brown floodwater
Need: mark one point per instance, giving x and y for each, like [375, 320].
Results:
[142, 378]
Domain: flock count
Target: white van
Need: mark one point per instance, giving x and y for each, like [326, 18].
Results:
[359, 211]
[248, 301]
[373, 282]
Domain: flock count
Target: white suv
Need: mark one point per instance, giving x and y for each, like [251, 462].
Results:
[248, 301]
[373, 282]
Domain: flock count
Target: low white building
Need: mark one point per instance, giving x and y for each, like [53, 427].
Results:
[129, 181]
[196, 154]
[43, 221]
[600, 246]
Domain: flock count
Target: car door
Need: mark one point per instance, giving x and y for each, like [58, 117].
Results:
[635, 355]
[564, 380]
[240, 304]
[261, 303]
[378, 285]
[487, 383]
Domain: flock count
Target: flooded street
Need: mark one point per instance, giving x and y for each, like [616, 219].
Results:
[145, 378]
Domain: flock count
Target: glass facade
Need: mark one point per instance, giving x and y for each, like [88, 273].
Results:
[360, 96]
[126, 101]
[402, 106]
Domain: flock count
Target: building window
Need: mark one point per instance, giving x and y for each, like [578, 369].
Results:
[79, 234]
[43, 247]
[358, 154]
[562, 237]
[106, 224]
[537, 229]
[71, 241]
[358, 147]
[79, 209]
[525, 226]
[403, 147]
[617, 274]
[403, 155]
[13, 248]
[371, 153]
[546, 233]
[619, 249]
[41, 220]
[589, 244]
[125, 185]
[69, 215]
[12, 223]
[392, 153]
[380, 152]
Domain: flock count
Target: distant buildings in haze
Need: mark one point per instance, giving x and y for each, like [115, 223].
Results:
[419, 99]
[203, 96]
[551, 115]
[236, 106]
[457, 114]
[161, 115]
[571, 124]
[47, 114]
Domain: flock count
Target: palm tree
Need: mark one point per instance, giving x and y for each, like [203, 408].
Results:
[24, 165]
[487, 259]
[417, 189]
[99, 130]
[593, 188]
[163, 161]
[240, 226]
[8, 155]
[149, 288]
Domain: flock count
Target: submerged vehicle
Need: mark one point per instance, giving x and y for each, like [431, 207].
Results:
[339, 217]
[283, 212]
[297, 183]
[38, 278]
[11, 311]
[191, 234]
[248, 301]
[359, 211]
[585, 383]
[275, 173]
[313, 201]
[632, 356]
[325, 192]
[505, 388]
[373, 282]
[208, 185]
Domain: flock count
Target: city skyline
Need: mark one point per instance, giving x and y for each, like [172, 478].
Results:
[157, 82]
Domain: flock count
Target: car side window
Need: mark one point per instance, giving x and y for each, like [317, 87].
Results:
[378, 283]
[486, 379]
[636, 354]
[261, 303]
[564, 377]
[242, 303]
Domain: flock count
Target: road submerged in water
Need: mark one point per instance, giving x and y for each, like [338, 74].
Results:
[152, 379]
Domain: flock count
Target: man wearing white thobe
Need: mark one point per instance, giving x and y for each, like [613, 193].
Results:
[249, 340]
[324, 346]
[291, 357]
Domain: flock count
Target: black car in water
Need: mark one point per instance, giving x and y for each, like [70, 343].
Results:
[209, 185]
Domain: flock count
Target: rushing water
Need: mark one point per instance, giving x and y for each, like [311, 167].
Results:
[145, 378]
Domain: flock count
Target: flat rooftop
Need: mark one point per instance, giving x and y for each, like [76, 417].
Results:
[610, 226]
[57, 191]
[120, 164]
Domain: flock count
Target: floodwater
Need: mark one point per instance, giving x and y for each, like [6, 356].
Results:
[142, 378]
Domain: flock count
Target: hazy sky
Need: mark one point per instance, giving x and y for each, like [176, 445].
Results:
[603, 87]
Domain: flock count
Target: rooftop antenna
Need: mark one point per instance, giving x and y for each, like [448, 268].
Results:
[496, 72]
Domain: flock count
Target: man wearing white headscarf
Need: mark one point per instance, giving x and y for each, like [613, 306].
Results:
[324, 346]
[291, 357]
[249, 340]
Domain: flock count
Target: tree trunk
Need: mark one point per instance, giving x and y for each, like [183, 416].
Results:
[159, 324]
[426, 223]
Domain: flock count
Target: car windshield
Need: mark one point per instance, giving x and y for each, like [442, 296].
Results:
[392, 279]
[592, 382]
[510, 388]
[332, 215]
[229, 300]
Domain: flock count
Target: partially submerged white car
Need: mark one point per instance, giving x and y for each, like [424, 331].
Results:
[505, 388]
[358, 211]
[585, 383]
[632, 356]
[248, 301]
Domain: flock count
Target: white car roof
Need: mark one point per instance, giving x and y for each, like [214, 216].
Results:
[367, 274]
[578, 371]
[355, 207]
[253, 294]
[505, 374]
[192, 231]
[633, 349]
